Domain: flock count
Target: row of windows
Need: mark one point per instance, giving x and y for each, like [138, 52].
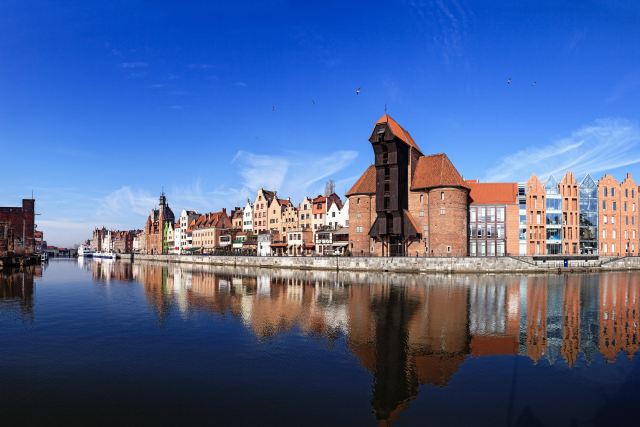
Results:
[489, 231]
[486, 214]
[486, 248]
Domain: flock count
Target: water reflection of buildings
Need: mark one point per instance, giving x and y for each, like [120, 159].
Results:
[414, 330]
[16, 290]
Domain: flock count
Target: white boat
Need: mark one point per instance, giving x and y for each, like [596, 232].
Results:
[104, 255]
[85, 251]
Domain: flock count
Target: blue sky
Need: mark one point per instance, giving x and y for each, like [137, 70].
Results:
[104, 103]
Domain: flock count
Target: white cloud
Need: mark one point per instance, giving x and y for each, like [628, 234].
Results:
[603, 146]
[293, 175]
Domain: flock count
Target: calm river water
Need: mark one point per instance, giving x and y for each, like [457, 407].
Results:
[110, 343]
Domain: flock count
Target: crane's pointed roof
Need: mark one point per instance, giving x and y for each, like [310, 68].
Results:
[398, 131]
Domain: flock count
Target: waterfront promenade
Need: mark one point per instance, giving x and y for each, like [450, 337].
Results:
[411, 264]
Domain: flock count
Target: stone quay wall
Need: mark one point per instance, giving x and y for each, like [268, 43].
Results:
[407, 264]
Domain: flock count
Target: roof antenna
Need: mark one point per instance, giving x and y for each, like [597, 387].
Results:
[385, 109]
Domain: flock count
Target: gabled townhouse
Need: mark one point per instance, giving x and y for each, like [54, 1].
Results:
[261, 210]
[289, 218]
[337, 215]
[247, 217]
[276, 212]
[237, 217]
[305, 214]
[320, 208]
[186, 232]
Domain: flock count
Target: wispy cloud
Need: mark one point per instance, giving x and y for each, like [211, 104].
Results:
[602, 146]
[447, 23]
[130, 65]
[241, 84]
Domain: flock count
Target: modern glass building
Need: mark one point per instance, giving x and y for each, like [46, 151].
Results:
[588, 216]
[554, 217]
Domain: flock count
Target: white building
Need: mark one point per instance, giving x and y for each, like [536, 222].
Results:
[107, 242]
[264, 244]
[336, 216]
[185, 238]
[177, 239]
[247, 217]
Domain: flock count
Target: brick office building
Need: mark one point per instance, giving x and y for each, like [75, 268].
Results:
[407, 203]
[19, 226]
[493, 219]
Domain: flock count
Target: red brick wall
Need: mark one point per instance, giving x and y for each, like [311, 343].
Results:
[448, 228]
[21, 220]
[362, 213]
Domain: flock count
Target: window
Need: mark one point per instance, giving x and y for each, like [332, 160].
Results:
[448, 247]
[421, 213]
[605, 191]
[604, 234]
[500, 248]
[613, 245]
[613, 220]
[613, 194]
[605, 219]
[358, 229]
[421, 198]
[442, 212]
[538, 219]
[472, 214]
[472, 248]
[500, 214]
[491, 214]
[442, 197]
[626, 192]
[614, 206]
[613, 233]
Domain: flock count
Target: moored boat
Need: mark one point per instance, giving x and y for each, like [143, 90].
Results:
[104, 255]
[85, 251]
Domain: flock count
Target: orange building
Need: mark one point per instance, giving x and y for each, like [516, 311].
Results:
[570, 214]
[609, 216]
[536, 217]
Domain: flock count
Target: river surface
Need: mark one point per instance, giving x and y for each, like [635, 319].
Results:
[111, 343]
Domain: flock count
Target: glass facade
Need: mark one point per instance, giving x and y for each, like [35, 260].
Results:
[588, 216]
[553, 217]
[487, 230]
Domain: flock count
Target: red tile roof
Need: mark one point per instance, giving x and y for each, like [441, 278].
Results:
[493, 192]
[366, 184]
[398, 131]
[434, 171]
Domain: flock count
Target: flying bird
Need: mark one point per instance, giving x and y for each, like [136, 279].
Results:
[534, 83]
[509, 81]
[358, 91]
[313, 101]
[273, 108]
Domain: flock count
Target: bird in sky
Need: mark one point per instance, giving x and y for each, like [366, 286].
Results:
[273, 108]
[313, 101]
[358, 91]
[509, 81]
[534, 83]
